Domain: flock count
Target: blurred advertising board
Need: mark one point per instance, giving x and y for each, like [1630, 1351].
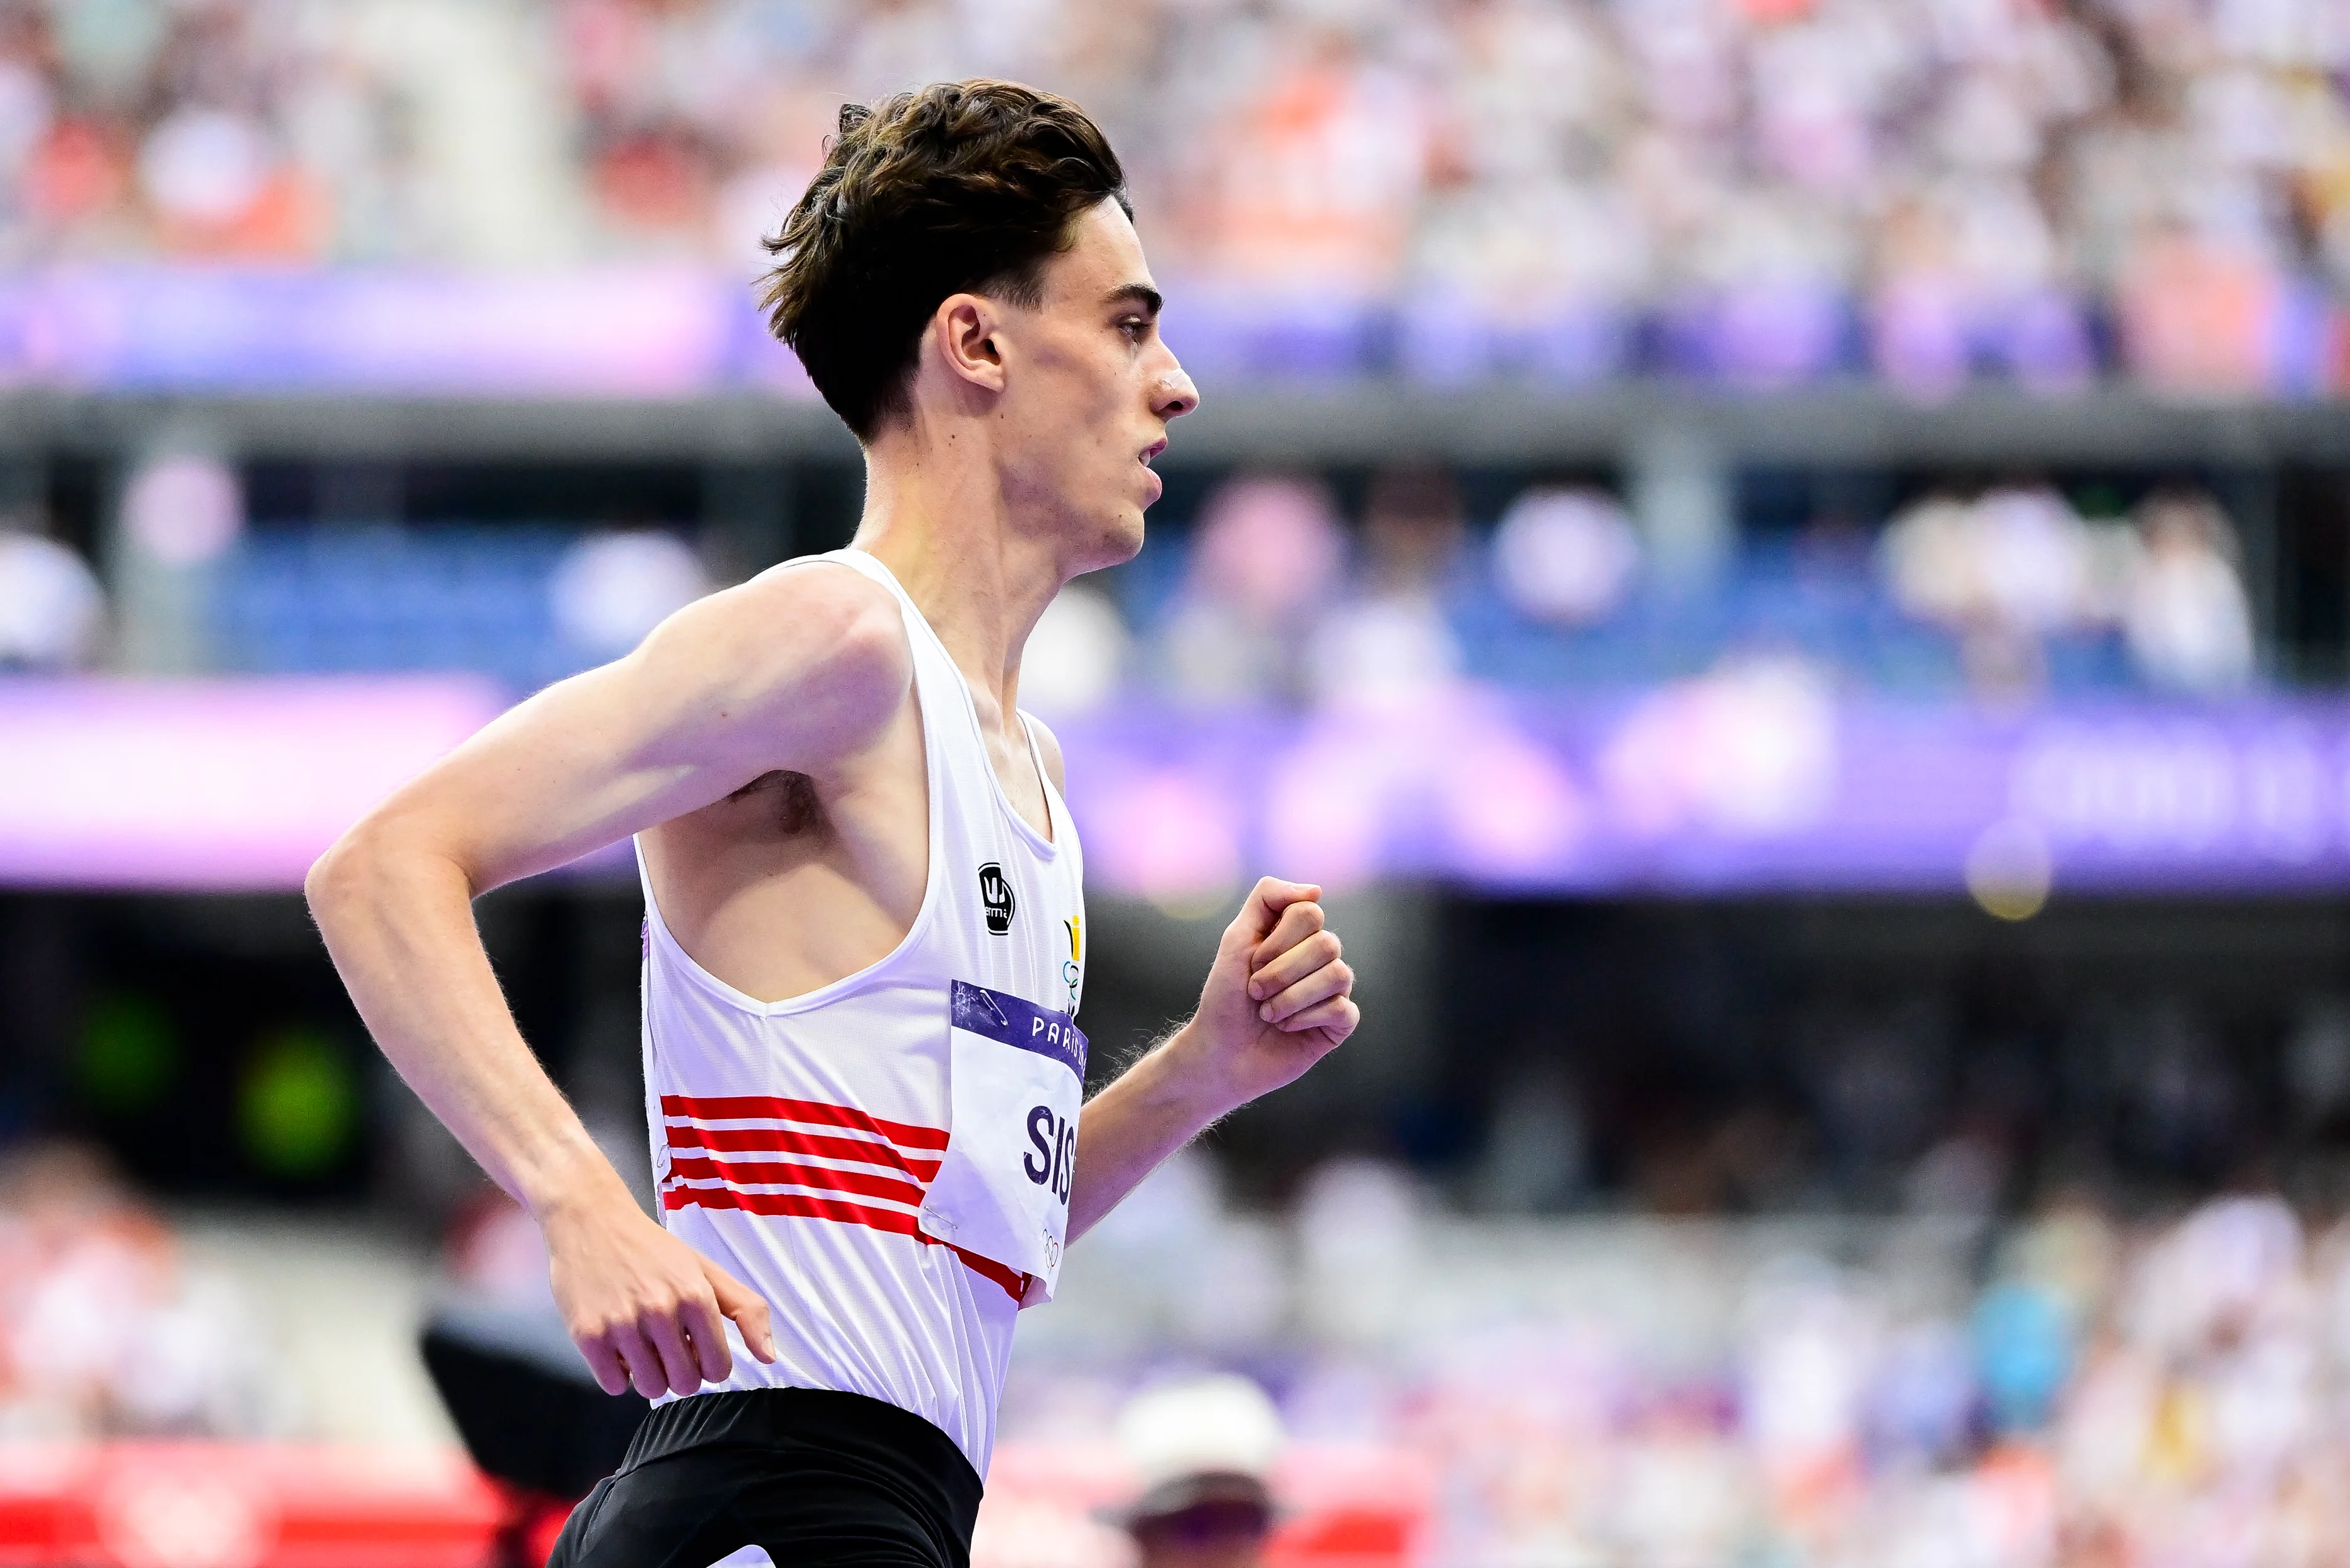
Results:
[1741, 780]
[646, 331]
[655, 329]
[209, 784]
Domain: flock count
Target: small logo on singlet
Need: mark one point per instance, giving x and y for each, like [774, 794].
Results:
[995, 892]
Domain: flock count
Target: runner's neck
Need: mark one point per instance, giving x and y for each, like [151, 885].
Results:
[978, 577]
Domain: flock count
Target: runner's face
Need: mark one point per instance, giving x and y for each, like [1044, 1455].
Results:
[1090, 392]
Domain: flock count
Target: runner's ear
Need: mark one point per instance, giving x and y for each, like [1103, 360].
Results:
[963, 333]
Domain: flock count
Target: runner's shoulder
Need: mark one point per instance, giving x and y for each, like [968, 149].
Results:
[807, 645]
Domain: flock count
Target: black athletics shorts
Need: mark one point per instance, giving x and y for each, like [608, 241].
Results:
[816, 1477]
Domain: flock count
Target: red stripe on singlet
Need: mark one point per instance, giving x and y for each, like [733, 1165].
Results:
[806, 1206]
[785, 1140]
[757, 1107]
[791, 1173]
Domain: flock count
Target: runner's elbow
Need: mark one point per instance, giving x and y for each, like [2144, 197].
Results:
[335, 879]
[357, 871]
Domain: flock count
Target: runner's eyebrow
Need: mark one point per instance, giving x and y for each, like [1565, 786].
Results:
[1141, 294]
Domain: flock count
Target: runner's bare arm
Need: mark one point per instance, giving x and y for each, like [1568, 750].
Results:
[797, 670]
[1278, 998]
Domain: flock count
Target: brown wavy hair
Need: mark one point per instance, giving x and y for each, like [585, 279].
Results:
[954, 188]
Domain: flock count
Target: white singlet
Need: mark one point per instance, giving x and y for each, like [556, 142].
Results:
[793, 1142]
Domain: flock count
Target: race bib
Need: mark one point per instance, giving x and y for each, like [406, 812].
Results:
[1018, 1082]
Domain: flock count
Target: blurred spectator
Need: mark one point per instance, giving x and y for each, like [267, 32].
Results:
[2003, 572]
[218, 187]
[1201, 1452]
[104, 1329]
[51, 611]
[1358, 1225]
[1390, 640]
[1411, 532]
[1747, 750]
[1968, 278]
[610, 589]
[2188, 622]
[2204, 315]
[1566, 555]
[1810, 1337]
[183, 509]
[1076, 655]
[1313, 167]
[1263, 559]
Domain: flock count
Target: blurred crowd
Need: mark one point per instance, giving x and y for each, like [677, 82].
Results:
[1760, 188]
[2075, 1388]
[1273, 596]
[2005, 591]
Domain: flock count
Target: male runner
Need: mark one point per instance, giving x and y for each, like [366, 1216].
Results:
[864, 939]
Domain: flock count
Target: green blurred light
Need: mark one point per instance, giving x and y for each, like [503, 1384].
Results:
[129, 1057]
[298, 1104]
[2100, 502]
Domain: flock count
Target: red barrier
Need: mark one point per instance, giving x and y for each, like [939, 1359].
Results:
[227, 1505]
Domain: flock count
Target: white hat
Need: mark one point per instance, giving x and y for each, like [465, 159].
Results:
[1203, 1438]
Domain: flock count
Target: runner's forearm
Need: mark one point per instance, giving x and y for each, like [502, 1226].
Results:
[1128, 1129]
[398, 920]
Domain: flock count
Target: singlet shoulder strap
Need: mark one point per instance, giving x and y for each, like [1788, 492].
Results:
[864, 566]
[932, 661]
[1055, 807]
[945, 690]
[918, 625]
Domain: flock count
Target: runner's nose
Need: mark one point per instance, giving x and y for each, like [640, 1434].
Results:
[1176, 396]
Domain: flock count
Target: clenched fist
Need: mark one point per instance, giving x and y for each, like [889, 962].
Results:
[1279, 996]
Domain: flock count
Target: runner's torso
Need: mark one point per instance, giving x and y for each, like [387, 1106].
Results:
[793, 1142]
